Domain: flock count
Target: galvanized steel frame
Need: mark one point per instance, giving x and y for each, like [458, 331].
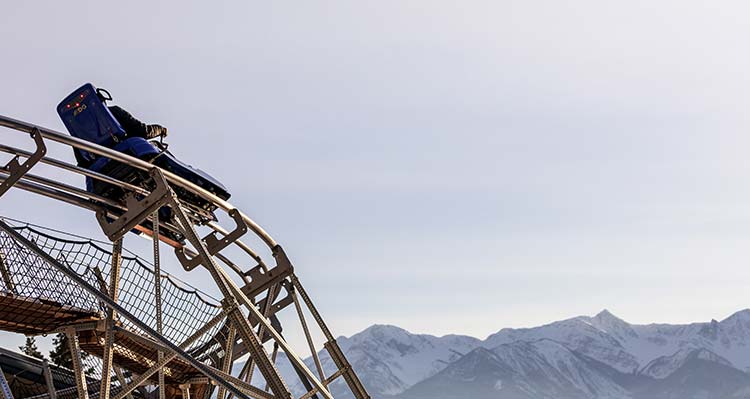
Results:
[205, 250]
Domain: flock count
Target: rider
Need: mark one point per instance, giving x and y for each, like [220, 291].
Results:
[132, 126]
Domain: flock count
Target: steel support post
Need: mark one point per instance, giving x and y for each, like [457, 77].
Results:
[49, 380]
[157, 297]
[109, 337]
[273, 357]
[228, 360]
[231, 307]
[270, 297]
[337, 355]
[308, 336]
[75, 355]
[300, 365]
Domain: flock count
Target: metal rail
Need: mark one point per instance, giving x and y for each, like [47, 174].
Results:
[137, 163]
[259, 279]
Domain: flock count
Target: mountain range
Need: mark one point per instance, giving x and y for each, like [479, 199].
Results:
[579, 358]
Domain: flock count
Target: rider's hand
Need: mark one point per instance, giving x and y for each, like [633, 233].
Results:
[160, 130]
[157, 130]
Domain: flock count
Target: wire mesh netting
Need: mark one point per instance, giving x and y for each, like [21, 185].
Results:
[36, 298]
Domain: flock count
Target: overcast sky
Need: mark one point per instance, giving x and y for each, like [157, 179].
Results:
[447, 167]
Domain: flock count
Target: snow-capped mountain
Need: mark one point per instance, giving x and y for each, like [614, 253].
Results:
[388, 359]
[602, 338]
[697, 374]
[409, 357]
[583, 357]
[540, 369]
[629, 347]
[664, 366]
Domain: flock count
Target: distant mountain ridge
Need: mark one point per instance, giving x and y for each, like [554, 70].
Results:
[582, 357]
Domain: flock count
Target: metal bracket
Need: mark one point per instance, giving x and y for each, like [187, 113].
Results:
[16, 169]
[214, 245]
[260, 280]
[138, 210]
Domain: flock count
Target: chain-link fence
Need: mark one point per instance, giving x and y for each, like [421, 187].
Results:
[36, 298]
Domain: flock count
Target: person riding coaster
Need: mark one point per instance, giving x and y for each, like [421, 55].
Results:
[86, 116]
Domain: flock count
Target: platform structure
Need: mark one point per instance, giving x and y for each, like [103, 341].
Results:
[134, 330]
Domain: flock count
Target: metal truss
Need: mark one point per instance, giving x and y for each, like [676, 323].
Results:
[175, 363]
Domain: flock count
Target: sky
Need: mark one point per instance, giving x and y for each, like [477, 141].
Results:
[447, 167]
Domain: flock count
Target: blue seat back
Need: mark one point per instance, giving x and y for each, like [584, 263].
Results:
[87, 117]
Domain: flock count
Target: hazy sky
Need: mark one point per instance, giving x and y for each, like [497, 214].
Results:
[448, 167]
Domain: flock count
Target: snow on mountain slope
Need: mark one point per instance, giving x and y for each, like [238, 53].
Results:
[628, 348]
[598, 338]
[410, 357]
[390, 360]
[540, 369]
[563, 367]
[700, 375]
[664, 366]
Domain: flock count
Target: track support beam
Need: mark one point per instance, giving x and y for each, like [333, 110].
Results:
[75, 354]
[109, 340]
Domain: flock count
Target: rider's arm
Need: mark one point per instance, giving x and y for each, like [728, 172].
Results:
[135, 128]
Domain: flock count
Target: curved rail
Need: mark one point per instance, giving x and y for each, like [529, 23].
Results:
[139, 164]
[258, 280]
